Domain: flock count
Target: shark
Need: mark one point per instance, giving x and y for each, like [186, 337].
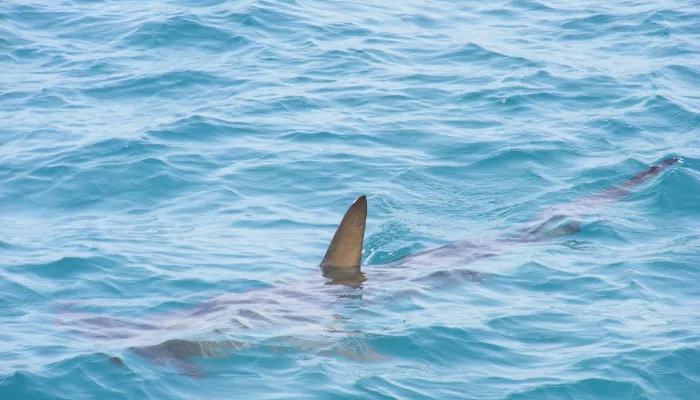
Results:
[217, 327]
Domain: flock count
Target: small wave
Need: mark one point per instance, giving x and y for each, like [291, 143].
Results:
[531, 5]
[663, 112]
[69, 267]
[592, 389]
[199, 128]
[182, 32]
[164, 84]
[473, 53]
[596, 22]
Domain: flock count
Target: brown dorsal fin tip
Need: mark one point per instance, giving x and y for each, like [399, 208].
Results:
[345, 249]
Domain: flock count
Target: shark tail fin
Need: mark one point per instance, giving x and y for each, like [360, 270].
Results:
[618, 191]
[651, 171]
[345, 249]
[559, 224]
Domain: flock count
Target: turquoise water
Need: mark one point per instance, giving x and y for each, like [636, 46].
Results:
[156, 155]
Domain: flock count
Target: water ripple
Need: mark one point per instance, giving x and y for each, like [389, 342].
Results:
[154, 157]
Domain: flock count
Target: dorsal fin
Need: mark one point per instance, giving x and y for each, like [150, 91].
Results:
[346, 247]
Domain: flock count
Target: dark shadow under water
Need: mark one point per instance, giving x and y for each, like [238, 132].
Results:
[308, 302]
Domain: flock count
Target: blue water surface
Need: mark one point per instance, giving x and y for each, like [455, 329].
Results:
[155, 155]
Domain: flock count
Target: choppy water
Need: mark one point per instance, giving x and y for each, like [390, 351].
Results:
[154, 155]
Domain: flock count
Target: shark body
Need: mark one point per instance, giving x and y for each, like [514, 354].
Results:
[309, 303]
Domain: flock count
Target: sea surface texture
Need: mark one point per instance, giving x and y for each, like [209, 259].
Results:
[171, 173]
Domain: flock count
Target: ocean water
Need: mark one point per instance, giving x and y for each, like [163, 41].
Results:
[157, 155]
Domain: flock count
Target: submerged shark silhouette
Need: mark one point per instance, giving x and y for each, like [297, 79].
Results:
[304, 302]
